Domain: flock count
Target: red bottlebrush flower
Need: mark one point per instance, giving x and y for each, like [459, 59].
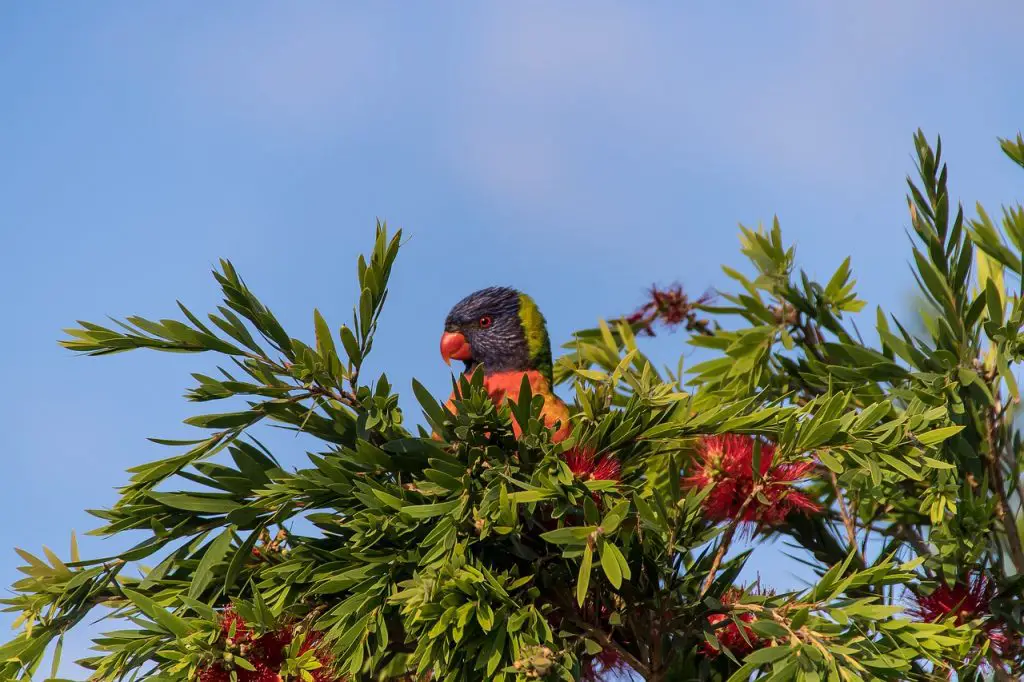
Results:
[727, 463]
[731, 638]
[270, 647]
[326, 672]
[964, 601]
[312, 641]
[584, 463]
[267, 653]
[234, 626]
[214, 673]
[729, 635]
[262, 673]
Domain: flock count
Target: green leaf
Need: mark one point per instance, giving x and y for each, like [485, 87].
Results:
[570, 535]
[612, 520]
[240, 557]
[365, 312]
[161, 616]
[937, 464]
[324, 339]
[902, 467]
[75, 557]
[214, 555]
[583, 581]
[484, 616]
[819, 433]
[348, 340]
[202, 610]
[389, 499]
[938, 435]
[433, 410]
[425, 511]
[226, 420]
[769, 628]
[627, 574]
[196, 503]
[591, 514]
[610, 563]
[743, 673]
[531, 496]
[55, 561]
[768, 655]
[1007, 375]
[831, 462]
[647, 514]
[446, 481]
[57, 650]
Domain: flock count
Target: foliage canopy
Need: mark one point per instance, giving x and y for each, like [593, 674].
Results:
[893, 469]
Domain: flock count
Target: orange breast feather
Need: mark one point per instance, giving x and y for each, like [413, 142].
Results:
[505, 385]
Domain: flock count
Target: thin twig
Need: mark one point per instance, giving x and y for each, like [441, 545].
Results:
[997, 484]
[1010, 456]
[727, 540]
[910, 534]
[344, 397]
[606, 641]
[851, 527]
[656, 632]
[1019, 480]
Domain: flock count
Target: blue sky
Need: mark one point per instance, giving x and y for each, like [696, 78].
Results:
[579, 151]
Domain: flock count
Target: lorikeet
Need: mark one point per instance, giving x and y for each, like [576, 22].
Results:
[501, 331]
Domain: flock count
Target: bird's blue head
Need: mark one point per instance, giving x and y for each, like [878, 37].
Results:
[500, 329]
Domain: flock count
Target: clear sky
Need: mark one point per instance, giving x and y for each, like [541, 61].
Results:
[577, 150]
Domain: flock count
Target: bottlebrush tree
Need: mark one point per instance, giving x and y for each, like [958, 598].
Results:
[457, 552]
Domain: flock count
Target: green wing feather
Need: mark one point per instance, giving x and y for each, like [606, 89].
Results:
[536, 331]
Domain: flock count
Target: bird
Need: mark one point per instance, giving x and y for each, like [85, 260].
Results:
[501, 331]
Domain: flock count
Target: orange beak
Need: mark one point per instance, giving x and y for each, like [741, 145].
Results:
[455, 347]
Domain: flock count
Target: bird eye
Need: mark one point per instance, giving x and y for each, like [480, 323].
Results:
[485, 321]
